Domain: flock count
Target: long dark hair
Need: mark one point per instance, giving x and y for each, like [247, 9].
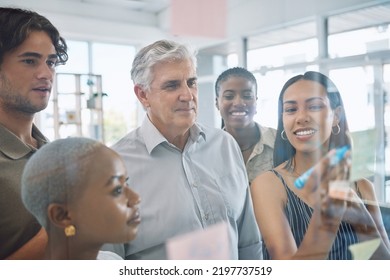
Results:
[283, 150]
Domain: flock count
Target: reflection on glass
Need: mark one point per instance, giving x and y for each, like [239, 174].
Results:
[364, 41]
[296, 52]
[113, 62]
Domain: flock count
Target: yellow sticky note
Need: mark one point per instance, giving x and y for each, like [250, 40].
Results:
[364, 250]
[363, 154]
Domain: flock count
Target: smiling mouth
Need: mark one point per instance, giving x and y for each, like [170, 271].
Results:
[305, 132]
[239, 114]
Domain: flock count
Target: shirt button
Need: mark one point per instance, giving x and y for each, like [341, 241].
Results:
[206, 216]
[194, 185]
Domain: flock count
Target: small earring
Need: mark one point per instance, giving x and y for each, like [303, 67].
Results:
[281, 135]
[70, 230]
[338, 130]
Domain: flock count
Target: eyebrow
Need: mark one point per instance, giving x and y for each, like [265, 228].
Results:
[37, 55]
[192, 79]
[306, 101]
[113, 177]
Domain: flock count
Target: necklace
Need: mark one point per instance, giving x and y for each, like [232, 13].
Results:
[256, 136]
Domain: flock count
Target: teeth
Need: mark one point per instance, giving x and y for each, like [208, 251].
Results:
[238, 113]
[305, 132]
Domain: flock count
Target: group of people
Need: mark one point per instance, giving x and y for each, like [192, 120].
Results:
[71, 198]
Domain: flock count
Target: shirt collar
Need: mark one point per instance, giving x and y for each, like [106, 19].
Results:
[14, 148]
[153, 137]
[266, 138]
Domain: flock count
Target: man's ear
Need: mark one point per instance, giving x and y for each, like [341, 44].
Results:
[58, 215]
[141, 95]
[216, 103]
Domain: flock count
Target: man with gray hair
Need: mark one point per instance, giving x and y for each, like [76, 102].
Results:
[189, 176]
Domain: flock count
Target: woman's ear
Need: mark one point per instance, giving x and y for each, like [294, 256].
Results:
[337, 116]
[58, 215]
[216, 103]
[141, 95]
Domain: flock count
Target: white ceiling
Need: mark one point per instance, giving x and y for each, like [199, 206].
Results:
[147, 6]
[142, 21]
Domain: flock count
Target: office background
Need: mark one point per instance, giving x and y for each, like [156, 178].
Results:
[348, 40]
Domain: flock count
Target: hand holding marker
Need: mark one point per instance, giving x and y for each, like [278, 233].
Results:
[336, 158]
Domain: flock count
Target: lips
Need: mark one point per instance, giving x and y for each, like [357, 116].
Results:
[239, 113]
[135, 218]
[185, 109]
[42, 89]
[42, 85]
[305, 132]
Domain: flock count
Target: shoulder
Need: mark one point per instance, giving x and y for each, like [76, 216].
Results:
[107, 255]
[268, 183]
[266, 180]
[217, 135]
[208, 130]
[130, 138]
[268, 134]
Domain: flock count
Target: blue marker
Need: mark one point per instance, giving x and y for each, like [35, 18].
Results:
[339, 155]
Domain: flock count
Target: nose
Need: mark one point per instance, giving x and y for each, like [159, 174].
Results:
[302, 117]
[45, 72]
[133, 197]
[186, 94]
[238, 101]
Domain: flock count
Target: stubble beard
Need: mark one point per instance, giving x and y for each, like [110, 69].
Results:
[12, 100]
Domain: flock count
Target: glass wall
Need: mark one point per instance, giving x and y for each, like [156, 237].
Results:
[354, 55]
[88, 60]
[359, 41]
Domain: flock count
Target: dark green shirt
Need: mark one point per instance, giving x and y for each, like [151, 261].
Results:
[17, 225]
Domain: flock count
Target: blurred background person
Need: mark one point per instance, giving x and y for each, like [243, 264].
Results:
[236, 100]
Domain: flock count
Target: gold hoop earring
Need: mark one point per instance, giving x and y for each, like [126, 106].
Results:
[70, 230]
[281, 135]
[338, 130]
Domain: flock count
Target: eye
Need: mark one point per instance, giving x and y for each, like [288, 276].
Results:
[316, 107]
[117, 191]
[28, 61]
[52, 63]
[171, 86]
[289, 110]
[192, 83]
[228, 96]
[248, 97]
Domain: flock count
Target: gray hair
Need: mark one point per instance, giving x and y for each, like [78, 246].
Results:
[56, 174]
[157, 52]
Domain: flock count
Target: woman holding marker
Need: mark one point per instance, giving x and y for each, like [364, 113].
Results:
[304, 222]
